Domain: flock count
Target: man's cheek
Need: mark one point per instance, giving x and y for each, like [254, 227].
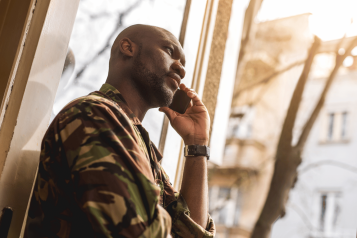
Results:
[163, 61]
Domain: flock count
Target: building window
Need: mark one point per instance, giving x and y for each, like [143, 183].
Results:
[331, 120]
[233, 127]
[237, 210]
[224, 196]
[336, 127]
[224, 205]
[344, 125]
[329, 210]
[323, 211]
[235, 130]
[240, 123]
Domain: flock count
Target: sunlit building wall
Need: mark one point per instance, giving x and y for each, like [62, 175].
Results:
[273, 64]
[322, 203]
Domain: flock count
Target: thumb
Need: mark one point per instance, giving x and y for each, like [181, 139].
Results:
[169, 112]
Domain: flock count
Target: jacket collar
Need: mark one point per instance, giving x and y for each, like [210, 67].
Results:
[114, 94]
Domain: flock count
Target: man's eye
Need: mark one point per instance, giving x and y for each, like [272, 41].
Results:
[170, 51]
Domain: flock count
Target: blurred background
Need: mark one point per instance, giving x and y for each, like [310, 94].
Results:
[284, 146]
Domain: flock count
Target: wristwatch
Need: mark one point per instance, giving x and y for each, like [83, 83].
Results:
[197, 150]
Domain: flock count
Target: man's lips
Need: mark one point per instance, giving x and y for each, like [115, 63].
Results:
[176, 78]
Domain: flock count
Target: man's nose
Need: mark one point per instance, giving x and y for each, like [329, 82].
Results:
[179, 69]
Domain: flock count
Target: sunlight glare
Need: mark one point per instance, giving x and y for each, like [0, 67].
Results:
[341, 51]
[348, 62]
[354, 51]
[330, 19]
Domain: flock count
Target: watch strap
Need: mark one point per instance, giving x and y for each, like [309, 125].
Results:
[197, 150]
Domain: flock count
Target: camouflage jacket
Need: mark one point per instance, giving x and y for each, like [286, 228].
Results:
[99, 176]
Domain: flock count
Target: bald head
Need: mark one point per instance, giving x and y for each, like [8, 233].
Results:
[140, 35]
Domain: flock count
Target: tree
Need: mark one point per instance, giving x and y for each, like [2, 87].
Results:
[288, 156]
[110, 37]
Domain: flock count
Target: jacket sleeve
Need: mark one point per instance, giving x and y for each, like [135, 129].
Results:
[182, 224]
[106, 171]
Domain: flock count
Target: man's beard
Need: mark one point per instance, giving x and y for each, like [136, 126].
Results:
[152, 87]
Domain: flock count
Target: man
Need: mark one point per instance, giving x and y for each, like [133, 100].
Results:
[99, 173]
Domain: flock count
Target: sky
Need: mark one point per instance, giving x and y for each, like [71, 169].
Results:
[330, 19]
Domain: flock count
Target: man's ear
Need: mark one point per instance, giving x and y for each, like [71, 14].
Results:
[127, 47]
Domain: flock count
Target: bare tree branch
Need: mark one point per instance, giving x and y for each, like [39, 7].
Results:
[288, 126]
[107, 45]
[287, 159]
[271, 76]
[266, 81]
[310, 122]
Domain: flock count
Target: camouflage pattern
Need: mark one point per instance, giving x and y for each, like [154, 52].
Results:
[99, 176]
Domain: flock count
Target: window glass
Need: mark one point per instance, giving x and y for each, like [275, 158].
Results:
[329, 211]
[330, 126]
[237, 210]
[224, 195]
[225, 205]
[233, 127]
[96, 27]
[344, 125]
[240, 123]
[323, 211]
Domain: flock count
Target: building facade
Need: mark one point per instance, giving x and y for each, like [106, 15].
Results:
[272, 65]
[321, 203]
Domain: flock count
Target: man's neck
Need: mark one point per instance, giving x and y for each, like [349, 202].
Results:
[132, 97]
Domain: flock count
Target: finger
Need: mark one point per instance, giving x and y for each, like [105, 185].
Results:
[184, 88]
[189, 105]
[195, 99]
[169, 112]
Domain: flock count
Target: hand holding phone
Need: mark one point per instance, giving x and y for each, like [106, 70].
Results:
[192, 123]
[180, 102]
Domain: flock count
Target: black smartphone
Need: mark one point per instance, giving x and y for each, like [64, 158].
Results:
[180, 102]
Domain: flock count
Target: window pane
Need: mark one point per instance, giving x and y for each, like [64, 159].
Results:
[237, 209]
[224, 193]
[224, 197]
[323, 211]
[330, 126]
[344, 125]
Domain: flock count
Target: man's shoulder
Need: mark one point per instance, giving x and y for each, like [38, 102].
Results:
[89, 108]
[86, 115]
[90, 100]
[86, 104]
